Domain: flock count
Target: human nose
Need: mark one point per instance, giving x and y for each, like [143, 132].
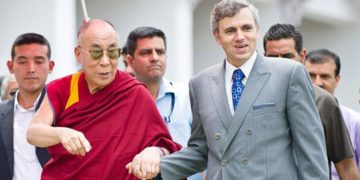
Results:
[239, 35]
[31, 66]
[318, 81]
[154, 56]
[104, 60]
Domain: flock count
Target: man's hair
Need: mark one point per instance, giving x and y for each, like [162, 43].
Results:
[30, 38]
[284, 31]
[229, 8]
[141, 33]
[321, 56]
[124, 50]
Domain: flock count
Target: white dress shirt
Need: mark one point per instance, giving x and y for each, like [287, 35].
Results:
[229, 70]
[26, 163]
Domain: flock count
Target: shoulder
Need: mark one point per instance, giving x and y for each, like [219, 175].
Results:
[59, 84]
[322, 96]
[209, 72]
[282, 64]
[350, 113]
[6, 104]
[181, 92]
[179, 88]
[3, 104]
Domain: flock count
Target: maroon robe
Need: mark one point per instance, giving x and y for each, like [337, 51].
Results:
[119, 121]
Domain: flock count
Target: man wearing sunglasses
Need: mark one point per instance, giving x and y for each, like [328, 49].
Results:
[95, 121]
[147, 56]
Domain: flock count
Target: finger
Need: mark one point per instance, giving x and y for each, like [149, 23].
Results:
[85, 143]
[150, 169]
[80, 149]
[136, 169]
[143, 169]
[153, 167]
[71, 147]
[157, 169]
[68, 148]
[74, 148]
[129, 168]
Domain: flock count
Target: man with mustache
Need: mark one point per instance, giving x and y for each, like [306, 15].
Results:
[284, 40]
[147, 56]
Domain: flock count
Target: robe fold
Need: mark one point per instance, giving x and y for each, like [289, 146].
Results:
[119, 121]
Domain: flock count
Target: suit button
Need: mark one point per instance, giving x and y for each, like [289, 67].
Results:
[245, 161]
[248, 131]
[224, 162]
[217, 136]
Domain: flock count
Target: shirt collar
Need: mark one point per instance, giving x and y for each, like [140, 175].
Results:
[166, 87]
[17, 106]
[245, 68]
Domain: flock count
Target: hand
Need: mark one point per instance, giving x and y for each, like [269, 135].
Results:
[74, 141]
[146, 164]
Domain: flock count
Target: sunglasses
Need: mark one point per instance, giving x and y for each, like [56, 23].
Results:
[96, 54]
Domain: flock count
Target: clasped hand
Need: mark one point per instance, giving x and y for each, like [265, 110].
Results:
[146, 164]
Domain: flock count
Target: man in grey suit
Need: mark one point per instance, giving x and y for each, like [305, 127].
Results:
[31, 65]
[272, 132]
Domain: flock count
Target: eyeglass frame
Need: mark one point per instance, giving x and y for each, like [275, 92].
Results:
[106, 52]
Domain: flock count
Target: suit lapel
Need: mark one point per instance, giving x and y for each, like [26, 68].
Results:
[7, 130]
[257, 79]
[218, 92]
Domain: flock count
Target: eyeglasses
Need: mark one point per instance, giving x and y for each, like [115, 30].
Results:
[96, 54]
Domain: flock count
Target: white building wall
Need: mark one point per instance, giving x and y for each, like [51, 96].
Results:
[17, 18]
[52, 19]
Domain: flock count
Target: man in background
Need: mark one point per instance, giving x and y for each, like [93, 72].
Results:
[30, 63]
[128, 68]
[147, 57]
[9, 86]
[284, 40]
[324, 69]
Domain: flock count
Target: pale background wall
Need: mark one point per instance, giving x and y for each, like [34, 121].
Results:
[191, 47]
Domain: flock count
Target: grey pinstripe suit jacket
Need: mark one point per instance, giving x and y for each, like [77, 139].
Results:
[275, 132]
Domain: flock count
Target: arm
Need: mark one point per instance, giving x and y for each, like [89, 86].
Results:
[42, 134]
[173, 169]
[338, 144]
[193, 158]
[305, 126]
[347, 169]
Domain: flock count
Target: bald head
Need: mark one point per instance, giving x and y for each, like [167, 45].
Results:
[94, 25]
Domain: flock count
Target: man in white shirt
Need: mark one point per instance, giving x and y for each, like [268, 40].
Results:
[31, 65]
[146, 48]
